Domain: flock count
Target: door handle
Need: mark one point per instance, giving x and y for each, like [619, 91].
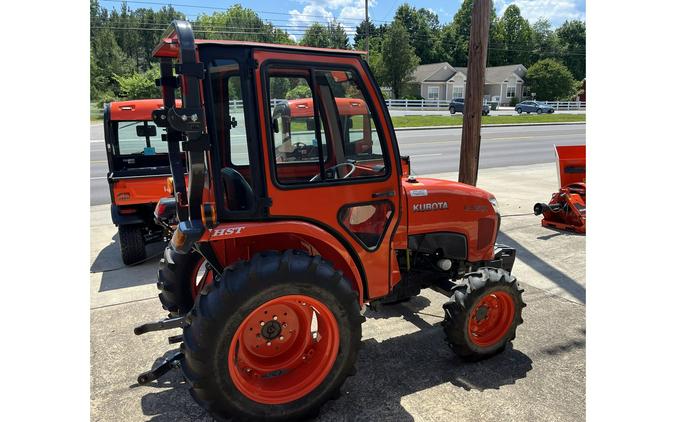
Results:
[384, 194]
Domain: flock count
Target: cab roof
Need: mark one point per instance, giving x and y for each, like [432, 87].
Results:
[136, 109]
[304, 107]
[168, 47]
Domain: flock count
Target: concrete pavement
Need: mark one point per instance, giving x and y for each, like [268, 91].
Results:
[405, 370]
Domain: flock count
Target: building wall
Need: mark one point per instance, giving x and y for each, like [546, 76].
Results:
[439, 85]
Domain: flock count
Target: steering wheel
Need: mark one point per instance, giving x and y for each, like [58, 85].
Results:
[335, 167]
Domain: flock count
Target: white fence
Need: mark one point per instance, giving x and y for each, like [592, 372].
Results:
[566, 105]
[444, 104]
[418, 104]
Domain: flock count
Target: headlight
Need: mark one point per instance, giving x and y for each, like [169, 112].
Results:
[495, 204]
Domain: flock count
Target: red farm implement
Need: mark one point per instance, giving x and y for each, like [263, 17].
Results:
[567, 208]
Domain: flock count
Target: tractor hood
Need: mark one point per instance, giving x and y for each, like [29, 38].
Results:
[442, 206]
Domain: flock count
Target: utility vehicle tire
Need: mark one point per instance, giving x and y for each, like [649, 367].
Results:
[179, 278]
[519, 110]
[482, 315]
[249, 350]
[539, 111]
[132, 244]
[452, 110]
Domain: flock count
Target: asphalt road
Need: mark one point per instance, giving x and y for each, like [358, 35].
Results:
[431, 151]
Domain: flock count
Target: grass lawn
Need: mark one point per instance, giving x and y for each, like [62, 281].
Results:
[456, 120]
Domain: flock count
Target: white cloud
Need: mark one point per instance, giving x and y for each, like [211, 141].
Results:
[345, 11]
[556, 11]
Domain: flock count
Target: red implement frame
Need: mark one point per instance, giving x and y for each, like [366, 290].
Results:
[567, 208]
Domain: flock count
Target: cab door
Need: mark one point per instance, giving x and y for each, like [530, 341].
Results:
[314, 173]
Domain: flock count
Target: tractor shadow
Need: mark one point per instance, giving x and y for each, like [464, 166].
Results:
[557, 232]
[387, 371]
[567, 283]
[170, 401]
[116, 275]
[400, 366]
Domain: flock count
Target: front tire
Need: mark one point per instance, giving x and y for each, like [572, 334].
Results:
[179, 279]
[482, 316]
[452, 110]
[539, 111]
[132, 244]
[273, 339]
[519, 110]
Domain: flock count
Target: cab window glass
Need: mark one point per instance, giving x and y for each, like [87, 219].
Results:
[140, 137]
[322, 133]
[294, 130]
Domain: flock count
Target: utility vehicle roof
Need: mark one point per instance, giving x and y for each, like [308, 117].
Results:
[168, 47]
[136, 109]
[304, 107]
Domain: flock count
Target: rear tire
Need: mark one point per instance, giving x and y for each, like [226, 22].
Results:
[519, 110]
[132, 244]
[176, 278]
[482, 316]
[230, 369]
[452, 110]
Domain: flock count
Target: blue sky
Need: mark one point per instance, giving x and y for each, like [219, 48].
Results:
[294, 15]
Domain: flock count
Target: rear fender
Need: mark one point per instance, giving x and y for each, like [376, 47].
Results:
[232, 242]
[120, 219]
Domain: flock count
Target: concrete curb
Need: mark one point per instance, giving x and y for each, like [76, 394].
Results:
[492, 125]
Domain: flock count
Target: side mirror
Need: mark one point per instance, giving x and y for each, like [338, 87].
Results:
[146, 131]
[310, 124]
[275, 125]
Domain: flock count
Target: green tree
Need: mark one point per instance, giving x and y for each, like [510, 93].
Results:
[517, 36]
[397, 60]
[461, 25]
[572, 38]
[107, 59]
[551, 80]
[139, 85]
[316, 35]
[544, 40]
[423, 29]
[361, 31]
[338, 36]
[300, 91]
[238, 23]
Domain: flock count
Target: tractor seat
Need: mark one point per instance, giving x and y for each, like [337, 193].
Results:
[238, 192]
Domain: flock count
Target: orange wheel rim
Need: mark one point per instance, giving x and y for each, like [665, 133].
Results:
[491, 318]
[284, 349]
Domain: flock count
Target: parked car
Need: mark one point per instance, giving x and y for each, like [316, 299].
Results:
[533, 107]
[457, 104]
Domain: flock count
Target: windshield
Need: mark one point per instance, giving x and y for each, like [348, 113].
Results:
[140, 137]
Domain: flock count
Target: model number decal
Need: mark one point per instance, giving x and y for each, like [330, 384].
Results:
[419, 192]
[228, 231]
[430, 206]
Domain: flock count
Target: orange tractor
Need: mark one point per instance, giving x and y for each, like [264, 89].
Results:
[138, 165]
[297, 220]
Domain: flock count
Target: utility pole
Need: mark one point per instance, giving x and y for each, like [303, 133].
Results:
[367, 32]
[473, 100]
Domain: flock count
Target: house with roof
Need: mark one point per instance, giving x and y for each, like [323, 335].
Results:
[441, 81]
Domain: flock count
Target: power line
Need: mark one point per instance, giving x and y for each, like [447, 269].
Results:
[163, 25]
[194, 6]
[196, 30]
